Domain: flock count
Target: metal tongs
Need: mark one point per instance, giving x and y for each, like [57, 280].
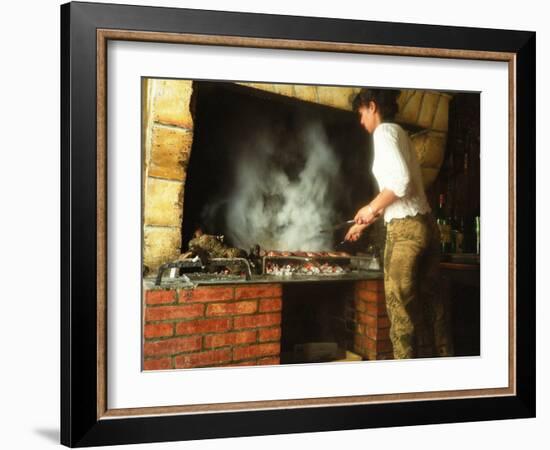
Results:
[345, 224]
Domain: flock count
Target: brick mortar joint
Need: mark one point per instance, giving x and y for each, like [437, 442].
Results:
[160, 323]
[257, 327]
[260, 355]
[193, 352]
[223, 302]
[171, 337]
[224, 333]
[226, 315]
[175, 180]
[180, 320]
[174, 227]
[157, 305]
[225, 330]
[255, 314]
[208, 334]
[161, 124]
[155, 358]
[236, 346]
[254, 359]
[188, 292]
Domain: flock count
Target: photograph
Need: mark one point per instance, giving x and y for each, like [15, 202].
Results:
[281, 224]
[297, 224]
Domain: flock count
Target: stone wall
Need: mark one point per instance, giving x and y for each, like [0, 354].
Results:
[429, 111]
[168, 137]
[336, 97]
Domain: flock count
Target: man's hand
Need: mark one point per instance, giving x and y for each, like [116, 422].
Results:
[364, 216]
[354, 233]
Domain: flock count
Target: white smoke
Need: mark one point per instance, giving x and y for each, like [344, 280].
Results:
[280, 212]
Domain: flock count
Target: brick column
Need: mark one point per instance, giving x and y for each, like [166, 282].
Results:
[212, 326]
[372, 339]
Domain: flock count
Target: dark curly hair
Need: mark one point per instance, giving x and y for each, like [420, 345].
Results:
[385, 100]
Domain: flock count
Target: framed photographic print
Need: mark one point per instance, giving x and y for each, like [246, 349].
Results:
[278, 224]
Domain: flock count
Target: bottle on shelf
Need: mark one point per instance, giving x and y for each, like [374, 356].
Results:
[458, 235]
[444, 225]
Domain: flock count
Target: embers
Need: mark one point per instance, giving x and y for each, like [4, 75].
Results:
[297, 265]
[308, 268]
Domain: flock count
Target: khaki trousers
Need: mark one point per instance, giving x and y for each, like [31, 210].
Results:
[419, 315]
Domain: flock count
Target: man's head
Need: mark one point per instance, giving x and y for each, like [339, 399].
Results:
[375, 106]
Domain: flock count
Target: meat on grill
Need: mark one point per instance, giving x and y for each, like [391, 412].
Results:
[277, 253]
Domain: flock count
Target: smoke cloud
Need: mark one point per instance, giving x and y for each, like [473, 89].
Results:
[277, 204]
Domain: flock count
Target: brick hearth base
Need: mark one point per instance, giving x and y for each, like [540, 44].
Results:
[372, 332]
[236, 325]
[212, 326]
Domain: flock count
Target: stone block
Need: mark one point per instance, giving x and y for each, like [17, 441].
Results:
[283, 89]
[334, 96]
[161, 244]
[409, 107]
[306, 93]
[441, 118]
[163, 202]
[171, 102]
[428, 109]
[430, 148]
[280, 89]
[170, 150]
[261, 86]
[403, 98]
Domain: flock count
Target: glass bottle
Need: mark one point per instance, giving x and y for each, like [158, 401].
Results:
[458, 235]
[444, 225]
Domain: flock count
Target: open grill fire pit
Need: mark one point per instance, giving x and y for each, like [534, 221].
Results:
[305, 263]
[265, 266]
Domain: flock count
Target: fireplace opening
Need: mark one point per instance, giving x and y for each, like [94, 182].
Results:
[318, 322]
[272, 170]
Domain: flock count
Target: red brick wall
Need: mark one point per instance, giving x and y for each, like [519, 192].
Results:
[212, 326]
[372, 338]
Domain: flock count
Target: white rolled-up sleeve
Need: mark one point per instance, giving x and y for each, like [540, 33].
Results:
[392, 171]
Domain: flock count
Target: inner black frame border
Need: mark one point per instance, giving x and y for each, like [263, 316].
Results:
[79, 424]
